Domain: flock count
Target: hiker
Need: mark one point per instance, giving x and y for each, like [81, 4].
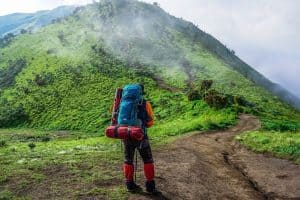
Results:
[146, 117]
[134, 111]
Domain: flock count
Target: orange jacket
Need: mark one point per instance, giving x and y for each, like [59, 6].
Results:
[150, 114]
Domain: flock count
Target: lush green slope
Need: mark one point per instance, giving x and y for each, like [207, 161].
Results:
[64, 75]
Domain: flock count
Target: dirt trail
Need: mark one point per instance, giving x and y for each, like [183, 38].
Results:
[213, 166]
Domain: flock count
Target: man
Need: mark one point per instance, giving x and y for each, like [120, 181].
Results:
[146, 117]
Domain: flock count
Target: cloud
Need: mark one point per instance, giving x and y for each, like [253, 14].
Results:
[29, 6]
[76, 2]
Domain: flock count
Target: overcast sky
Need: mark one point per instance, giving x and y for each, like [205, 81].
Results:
[264, 33]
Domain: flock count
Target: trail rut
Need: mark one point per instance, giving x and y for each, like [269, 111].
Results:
[212, 166]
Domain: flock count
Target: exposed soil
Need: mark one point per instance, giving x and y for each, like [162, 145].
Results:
[212, 166]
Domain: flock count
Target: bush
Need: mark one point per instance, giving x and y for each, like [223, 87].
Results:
[280, 125]
[46, 138]
[43, 79]
[61, 37]
[194, 95]
[206, 85]
[6, 40]
[7, 75]
[10, 116]
[215, 99]
[51, 51]
[31, 145]
[3, 143]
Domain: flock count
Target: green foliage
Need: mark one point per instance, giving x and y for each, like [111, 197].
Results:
[6, 195]
[281, 124]
[7, 75]
[3, 143]
[31, 146]
[206, 85]
[12, 116]
[194, 94]
[6, 40]
[215, 99]
[282, 144]
[43, 79]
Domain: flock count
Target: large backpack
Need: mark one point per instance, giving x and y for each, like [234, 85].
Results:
[131, 97]
[127, 126]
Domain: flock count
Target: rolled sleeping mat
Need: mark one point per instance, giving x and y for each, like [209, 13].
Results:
[124, 132]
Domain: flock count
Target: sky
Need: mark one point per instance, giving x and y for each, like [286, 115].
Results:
[12, 6]
[263, 33]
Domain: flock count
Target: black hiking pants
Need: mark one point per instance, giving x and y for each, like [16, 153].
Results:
[143, 148]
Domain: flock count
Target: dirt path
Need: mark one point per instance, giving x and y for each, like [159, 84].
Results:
[213, 166]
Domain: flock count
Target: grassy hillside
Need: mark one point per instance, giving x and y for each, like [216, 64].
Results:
[63, 76]
[57, 84]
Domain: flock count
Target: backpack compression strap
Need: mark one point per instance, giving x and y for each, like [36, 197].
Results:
[116, 135]
[116, 132]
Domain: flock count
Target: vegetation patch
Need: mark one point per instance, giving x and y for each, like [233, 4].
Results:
[281, 144]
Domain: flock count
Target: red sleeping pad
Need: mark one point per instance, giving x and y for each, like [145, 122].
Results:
[124, 132]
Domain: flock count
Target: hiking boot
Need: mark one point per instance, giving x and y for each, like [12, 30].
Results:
[150, 187]
[132, 187]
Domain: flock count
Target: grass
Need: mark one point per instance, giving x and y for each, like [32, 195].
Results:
[82, 160]
[281, 144]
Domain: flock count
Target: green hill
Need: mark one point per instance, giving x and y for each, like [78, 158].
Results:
[63, 76]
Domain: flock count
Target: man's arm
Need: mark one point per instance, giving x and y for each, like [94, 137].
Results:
[150, 115]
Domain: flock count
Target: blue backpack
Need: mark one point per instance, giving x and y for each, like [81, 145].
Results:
[131, 98]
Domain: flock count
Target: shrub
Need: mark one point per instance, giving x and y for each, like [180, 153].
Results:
[206, 85]
[6, 40]
[194, 95]
[3, 143]
[31, 145]
[46, 138]
[10, 116]
[61, 37]
[43, 79]
[280, 125]
[215, 99]
[7, 75]
[51, 51]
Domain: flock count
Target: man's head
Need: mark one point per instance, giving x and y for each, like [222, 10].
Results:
[143, 88]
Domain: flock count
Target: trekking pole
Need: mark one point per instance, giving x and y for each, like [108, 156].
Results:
[121, 145]
[135, 165]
